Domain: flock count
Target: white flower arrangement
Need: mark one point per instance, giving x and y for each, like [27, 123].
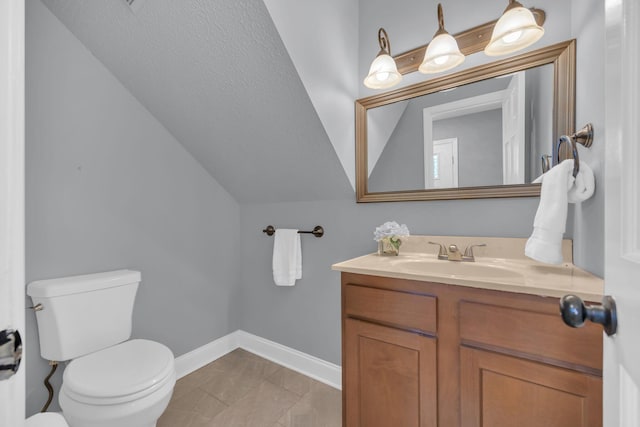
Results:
[389, 233]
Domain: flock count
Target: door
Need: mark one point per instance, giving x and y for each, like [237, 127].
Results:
[390, 377]
[622, 212]
[503, 391]
[445, 163]
[12, 390]
[513, 114]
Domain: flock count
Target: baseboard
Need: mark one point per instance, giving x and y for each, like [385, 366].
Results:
[202, 356]
[298, 361]
[313, 367]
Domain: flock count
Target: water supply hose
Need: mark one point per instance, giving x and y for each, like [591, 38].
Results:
[47, 384]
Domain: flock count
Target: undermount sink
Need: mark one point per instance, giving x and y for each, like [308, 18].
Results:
[472, 270]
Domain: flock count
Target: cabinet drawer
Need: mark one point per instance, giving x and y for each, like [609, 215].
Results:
[400, 309]
[540, 334]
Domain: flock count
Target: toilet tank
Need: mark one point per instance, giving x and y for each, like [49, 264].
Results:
[83, 314]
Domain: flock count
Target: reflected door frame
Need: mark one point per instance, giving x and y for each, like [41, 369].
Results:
[513, 144]
[448, 146]
[463, 107]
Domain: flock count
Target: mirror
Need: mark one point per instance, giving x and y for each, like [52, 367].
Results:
[483, 132]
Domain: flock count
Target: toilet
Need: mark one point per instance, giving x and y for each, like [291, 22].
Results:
[47, 419]
[109, 380]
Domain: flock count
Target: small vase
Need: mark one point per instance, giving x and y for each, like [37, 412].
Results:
[386, 248]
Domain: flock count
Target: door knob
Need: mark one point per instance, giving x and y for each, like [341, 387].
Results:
[574, 313]
[10, 353]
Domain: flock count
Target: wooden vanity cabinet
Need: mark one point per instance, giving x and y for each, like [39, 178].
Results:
[389, 342]
[428, 354]
[395, 380]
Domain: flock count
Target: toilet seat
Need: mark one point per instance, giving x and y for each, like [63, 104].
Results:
[123, 373]
[46, 419]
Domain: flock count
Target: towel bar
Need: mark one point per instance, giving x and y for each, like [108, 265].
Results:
[317, 231]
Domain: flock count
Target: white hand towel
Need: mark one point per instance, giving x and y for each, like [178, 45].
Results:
[287, 257]
[584, 185]
[545, 243]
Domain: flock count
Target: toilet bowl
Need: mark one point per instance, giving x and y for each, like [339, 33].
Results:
[110, 380]
[47, 419]
[127, 385]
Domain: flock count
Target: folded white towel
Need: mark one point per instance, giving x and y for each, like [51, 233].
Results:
[559, 187]
[287, 257]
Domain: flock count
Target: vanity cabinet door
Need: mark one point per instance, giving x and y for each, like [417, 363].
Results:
[504, 391]
[390, 377]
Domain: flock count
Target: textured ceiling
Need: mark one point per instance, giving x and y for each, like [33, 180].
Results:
[216, 74]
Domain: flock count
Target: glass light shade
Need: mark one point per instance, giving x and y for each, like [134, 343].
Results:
[442, 54]
[383, 73]
[515, 30]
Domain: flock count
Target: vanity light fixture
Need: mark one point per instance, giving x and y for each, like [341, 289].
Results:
[383, 72]
[515, 30]
[442, 52]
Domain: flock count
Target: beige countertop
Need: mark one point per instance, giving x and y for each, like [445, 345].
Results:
[500, 266]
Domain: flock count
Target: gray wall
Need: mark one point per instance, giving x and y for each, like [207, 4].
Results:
[587, 26]
[107, 188]
[479, 146]
[307, 316]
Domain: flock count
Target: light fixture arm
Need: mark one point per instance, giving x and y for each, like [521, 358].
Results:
[513, 4]
[383, 41]
[441, 29]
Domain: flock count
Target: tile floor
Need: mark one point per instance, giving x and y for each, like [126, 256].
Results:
[244, 390]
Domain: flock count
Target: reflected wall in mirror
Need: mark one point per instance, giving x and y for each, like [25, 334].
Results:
[492, 132]
[473, 134]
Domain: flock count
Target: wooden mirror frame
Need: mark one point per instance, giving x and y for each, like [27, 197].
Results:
[561, 55]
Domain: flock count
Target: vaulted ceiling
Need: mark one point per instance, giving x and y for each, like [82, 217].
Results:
[217, 75]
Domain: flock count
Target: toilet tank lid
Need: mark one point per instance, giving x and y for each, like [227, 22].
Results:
[84, 283]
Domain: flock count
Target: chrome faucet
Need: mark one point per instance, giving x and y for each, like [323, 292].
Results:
[453, 253]
[468, 253]
[442, 252]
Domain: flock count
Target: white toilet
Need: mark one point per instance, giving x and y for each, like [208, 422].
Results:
[47, 419]
[110, 382]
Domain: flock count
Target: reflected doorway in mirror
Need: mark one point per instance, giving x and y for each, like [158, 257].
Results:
[444, 164]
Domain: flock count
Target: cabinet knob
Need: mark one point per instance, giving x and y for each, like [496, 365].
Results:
[575, 312]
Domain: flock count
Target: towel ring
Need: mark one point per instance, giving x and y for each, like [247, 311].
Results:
[564, 139]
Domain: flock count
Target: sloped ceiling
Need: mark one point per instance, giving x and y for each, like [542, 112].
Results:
[325, 56]
[216, 74]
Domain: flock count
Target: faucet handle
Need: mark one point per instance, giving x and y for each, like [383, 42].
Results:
[454, 253]
[468, 253]
[442, 252]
